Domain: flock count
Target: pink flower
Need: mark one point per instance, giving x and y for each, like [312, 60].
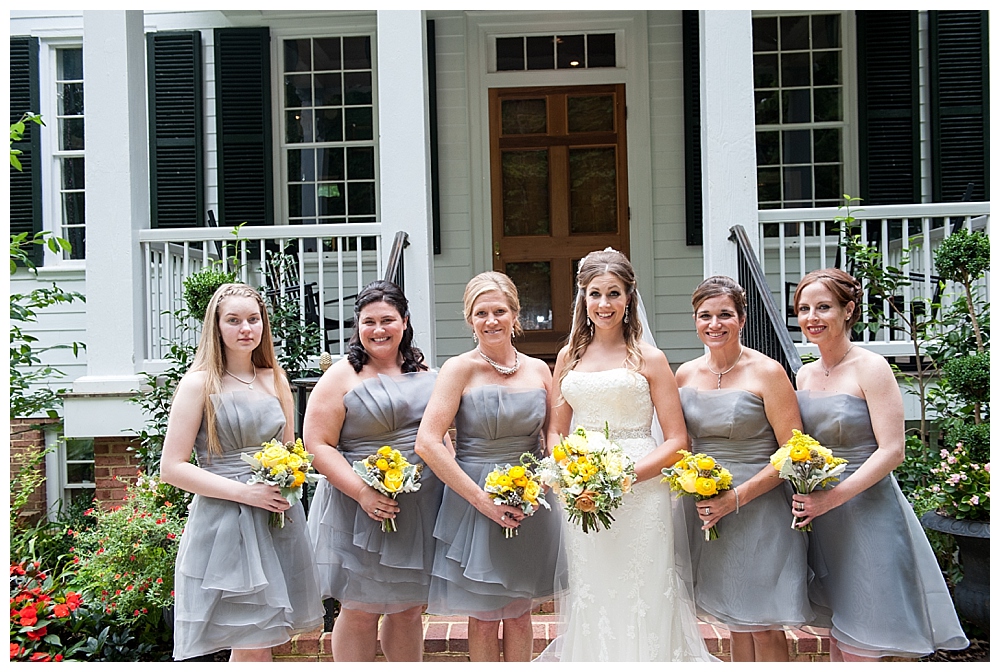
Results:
[944, 453]
[974, 500]
[951, 459]
[986, 467]
[935, 488]
[953, 479]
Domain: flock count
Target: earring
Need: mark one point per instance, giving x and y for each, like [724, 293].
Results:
[626, 312]
[589, 323]
[475, 338]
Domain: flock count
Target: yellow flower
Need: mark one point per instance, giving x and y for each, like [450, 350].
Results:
[278, 470]
[503, 480]
[705, 463]
[779, 457]
[393, 480]
[300, 478]
[577, 443]
[687, 481]
[558, 454]
[516, 472]
[492, 478]
[258, 456]
[385, 451]
[799, 453]
[705, 487]
[520, 482]
[294, 461]
[382, 464]
[273, 455]
[397, 457]
[531, 491]
[725, 479]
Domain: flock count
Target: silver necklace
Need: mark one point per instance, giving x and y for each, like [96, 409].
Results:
[720, 375]
[827, 371]
[500, 368]
[249, 383]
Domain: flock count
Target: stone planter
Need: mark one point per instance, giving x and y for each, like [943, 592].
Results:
[972, 593]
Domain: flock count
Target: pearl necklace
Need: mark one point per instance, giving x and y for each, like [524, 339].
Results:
[721, 374]
[248, 384]
[827, 371]
[500, 368]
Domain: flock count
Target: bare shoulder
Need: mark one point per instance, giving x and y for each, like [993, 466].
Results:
[873, 370]
[805, 375]
[652, 354]
[763, 365]
[193, 382]
[338, 379]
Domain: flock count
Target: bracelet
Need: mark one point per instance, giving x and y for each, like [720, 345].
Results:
[736, 491]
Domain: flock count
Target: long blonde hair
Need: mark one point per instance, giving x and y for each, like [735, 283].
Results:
[211, 356]
[582, 334]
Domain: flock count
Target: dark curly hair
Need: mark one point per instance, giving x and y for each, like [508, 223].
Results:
[383, 290]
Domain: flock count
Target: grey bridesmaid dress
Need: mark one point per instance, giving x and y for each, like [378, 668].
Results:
[477, 571]
[360, 565]
[754, 576]
[877, 584]
[240, 583]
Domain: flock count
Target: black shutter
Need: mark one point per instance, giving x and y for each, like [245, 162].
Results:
[243, 118]
[176, 161]
[692, 126]
[959, 109]
[26, 185]
[889, 126]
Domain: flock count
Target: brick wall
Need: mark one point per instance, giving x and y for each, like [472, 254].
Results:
[26, 433]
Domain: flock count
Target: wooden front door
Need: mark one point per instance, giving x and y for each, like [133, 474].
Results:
[559, 190]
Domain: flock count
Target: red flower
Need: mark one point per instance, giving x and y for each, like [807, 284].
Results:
[60, 611]
[159, 580]
[29, 616]
[171, 535]
[135, 613]
[35, 635]
[58, 658]
[17, 570]
[15, 649]
[39, 657]
[88, 512]
[73, 600]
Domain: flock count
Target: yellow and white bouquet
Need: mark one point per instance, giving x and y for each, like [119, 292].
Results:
[389, 472]
[590, 473]
[698, 476]
[808, 465]
[286, 465]
[516, 486]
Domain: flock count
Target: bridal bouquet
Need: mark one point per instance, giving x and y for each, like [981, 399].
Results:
[390, 473]
[516, 486]
[698, 476]
[590, 473]
[286, 465]
[808, 465]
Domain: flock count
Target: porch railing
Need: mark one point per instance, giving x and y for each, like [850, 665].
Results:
[797, 241]
[333, 262]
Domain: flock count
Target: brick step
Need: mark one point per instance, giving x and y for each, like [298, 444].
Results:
[446, 638]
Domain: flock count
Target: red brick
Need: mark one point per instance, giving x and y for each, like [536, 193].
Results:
[458, 637]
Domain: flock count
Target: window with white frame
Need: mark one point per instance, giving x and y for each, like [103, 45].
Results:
[328, 130]
[69, 470]
[68, 211]
[799, 97]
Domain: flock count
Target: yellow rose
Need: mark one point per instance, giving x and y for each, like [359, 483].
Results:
[705, 463]
[687, 481]
[393, 480]
[300, 478]
[705, 487]
[385, 451]
[779, 457]
[273, 456]
[626, 484]
[382, 464]
[258, 456]
[531, 491]
[293, 461]
[585, 502]
[516, 472]
[491, 479]
[799, 453]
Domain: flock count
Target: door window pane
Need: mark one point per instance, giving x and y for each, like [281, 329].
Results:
[525, 179]
[593, 188]
[534, 290]
[590, 113]
[521, 117]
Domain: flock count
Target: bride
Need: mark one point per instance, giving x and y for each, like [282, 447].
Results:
[628, 600]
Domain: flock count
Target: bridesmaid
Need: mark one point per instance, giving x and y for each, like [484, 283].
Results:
[739, 406]
[877, 585]
[372, 398]
[496, 397]
[240, 583]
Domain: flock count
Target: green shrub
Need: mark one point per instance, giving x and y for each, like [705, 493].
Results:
[963, 255]
[969, 376]
[199, 288]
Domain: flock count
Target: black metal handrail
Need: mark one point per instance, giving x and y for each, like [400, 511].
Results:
[765, 329]
[394, 269]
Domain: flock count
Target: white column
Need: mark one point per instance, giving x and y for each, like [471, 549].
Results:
[404, 159]
[117, 179]
[728, 154]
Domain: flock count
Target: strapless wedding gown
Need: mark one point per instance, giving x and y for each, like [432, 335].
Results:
[626, 601]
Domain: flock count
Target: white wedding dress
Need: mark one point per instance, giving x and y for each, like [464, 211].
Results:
[627, 599]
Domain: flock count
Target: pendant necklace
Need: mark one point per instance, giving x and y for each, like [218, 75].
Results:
[720, 375]
[248, 383]
[500, 368]
[827, 371]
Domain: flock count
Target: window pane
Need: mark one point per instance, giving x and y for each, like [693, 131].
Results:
[298, 126]
[79, 449]
[358, 88]
[361, 198]
[71, 134]
[298, 90]
[570, 51]
[326, 53]
[331, 163]
[328, 89]
[534, 290]
[525, 184]
[519, 117]
[541, 55]
[331, 198]
[828, 104]
[80, 473]
[765, 71]
[765, 34]
[601, 51]
[766, 107]
[767, 148]
[826, 145]
[74, 211]
[828, 182]
[71, 99]
[794, 32]
[77, 237]
[361, 163]
[72, 173]
[826, 68]
[296, 55]
[797, 147]
[795, 106]
[590, 113]
[593, 191]
[358, 123]
[329, 127]
[357, 53]
[826, 31]
[510, 53]
[798, 183]
[769, 184]
[795, 70]
[70, 63]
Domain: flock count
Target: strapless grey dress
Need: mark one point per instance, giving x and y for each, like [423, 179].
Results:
[240, 583]
[359, 564]
[877, 584]
[755, 575]
[477, 571]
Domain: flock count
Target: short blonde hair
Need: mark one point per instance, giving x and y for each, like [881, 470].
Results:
[493, 281]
